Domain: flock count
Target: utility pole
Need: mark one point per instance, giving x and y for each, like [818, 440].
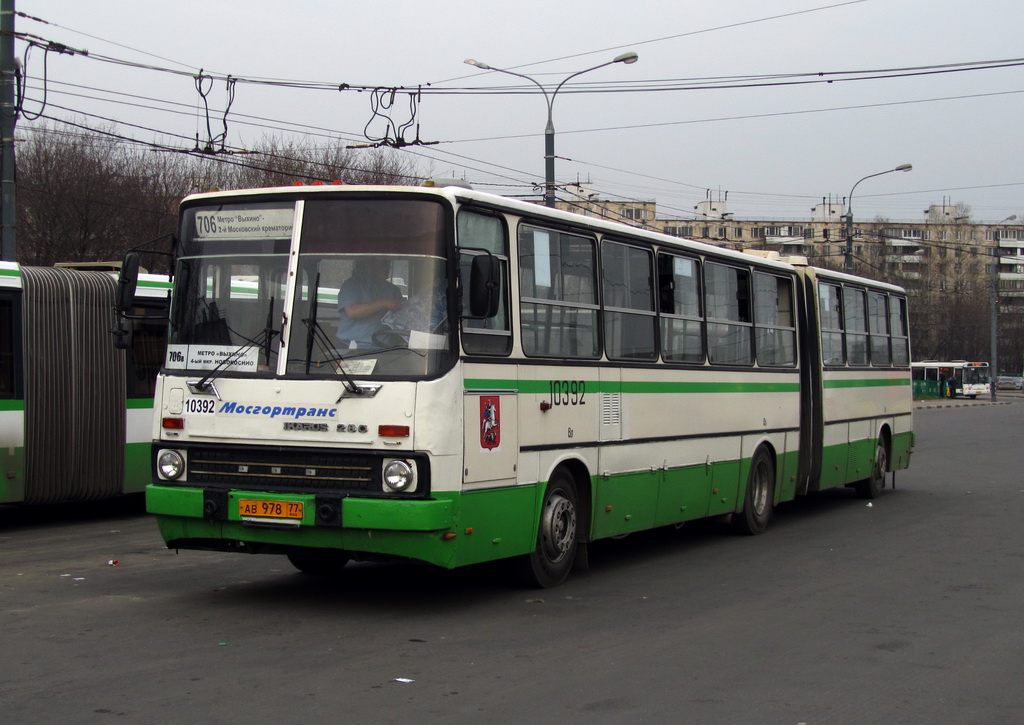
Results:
[993, 366]
[8, 118]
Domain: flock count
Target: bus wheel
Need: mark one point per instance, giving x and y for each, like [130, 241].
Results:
[319, 564]
[759, 498]
[557, 535]
[871, 487]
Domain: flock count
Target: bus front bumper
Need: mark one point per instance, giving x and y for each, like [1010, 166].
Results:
[291, 522]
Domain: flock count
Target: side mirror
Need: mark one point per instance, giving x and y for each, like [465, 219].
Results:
[127, 282]
[484, 286]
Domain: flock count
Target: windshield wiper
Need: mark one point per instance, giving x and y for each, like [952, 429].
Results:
[315, 333]
[265, 338]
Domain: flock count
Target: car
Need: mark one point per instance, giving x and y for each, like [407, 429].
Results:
[1009, 382]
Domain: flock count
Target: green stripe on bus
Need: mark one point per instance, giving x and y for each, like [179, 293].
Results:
[130, 403]
[10, 272]
[710, 387]
[542, 387]
[868, 383]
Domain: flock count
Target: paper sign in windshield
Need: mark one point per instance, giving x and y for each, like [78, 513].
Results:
[208, 357]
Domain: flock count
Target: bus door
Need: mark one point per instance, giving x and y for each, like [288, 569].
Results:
[491, 438]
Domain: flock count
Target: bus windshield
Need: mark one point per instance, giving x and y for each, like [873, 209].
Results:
[975, 375]
[370, 294]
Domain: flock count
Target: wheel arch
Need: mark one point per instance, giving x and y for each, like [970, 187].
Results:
[885, 438]
[768, 446]
[576, 469]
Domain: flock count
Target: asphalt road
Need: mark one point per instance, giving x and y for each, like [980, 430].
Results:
[906, 611]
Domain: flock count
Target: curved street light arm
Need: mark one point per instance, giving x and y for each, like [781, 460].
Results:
[549, 99]
[534, 81]
[848, 263]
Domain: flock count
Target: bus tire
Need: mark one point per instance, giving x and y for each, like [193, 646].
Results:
[871, 487]
[759, 498]
[319, 564]
[557, 535]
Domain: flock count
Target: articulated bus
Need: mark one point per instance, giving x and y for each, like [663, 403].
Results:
[541, 380]
[951, 379]
[75, 414]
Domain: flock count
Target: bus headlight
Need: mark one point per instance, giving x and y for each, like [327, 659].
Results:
[399, 476]
[170, 464]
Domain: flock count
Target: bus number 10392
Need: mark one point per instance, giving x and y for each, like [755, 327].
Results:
[568, 392]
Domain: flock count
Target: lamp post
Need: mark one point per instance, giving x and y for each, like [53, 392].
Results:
[848, 263]
[993, 366]
[549, 130]
[8, 118]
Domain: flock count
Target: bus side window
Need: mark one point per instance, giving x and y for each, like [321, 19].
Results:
[558, 310]
[491, 336]
[728, 304]
[775, 333]
[898, 330]
[679, 303]
[629, 321]
[830, 312]
[147, 352]
[878, 327]
[855, 319]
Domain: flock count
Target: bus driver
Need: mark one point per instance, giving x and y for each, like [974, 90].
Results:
[363, 300]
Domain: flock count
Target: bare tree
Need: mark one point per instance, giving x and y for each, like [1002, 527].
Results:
[87, 196]
[280, 163]
[84, 197]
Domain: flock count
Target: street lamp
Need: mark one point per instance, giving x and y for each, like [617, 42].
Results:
[549, 130]
[848, 265]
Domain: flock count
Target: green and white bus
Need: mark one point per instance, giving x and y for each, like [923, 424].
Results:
[75, 414]
[570, 380]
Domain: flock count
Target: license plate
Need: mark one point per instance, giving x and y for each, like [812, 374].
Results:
[262, 508]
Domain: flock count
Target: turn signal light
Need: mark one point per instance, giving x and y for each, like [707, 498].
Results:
[393, 431]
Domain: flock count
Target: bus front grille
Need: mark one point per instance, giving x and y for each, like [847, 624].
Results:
[256, 469]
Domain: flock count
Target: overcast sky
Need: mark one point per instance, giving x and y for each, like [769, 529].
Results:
[775, 150]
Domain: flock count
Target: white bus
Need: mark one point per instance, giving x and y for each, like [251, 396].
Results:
[950, 379]
[542, 380]
[75, 414]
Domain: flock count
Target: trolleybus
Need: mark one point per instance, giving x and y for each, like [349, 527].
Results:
[75, 413]
[540, 380]
[951, 379]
